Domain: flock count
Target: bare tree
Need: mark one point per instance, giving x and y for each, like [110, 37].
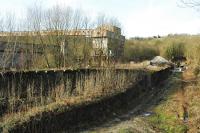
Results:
[87, 25]
[114, 22]
[67, 20]
[1, 31]
[108, 37]
[1, 23]
[53, 26]
[36, 16]
[69, 32]
[57, 25]
[9, 50]
[191, 3]
[77, 24]
[101, 40]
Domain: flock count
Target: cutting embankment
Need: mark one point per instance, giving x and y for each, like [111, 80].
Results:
[88, 102]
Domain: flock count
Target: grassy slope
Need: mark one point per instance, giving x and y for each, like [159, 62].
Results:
[160, 45]
[169, 114]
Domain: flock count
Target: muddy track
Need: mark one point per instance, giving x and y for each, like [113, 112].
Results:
[134, 118]
[187, 78]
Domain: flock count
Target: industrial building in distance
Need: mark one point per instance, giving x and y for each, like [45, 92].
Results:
[106, 40]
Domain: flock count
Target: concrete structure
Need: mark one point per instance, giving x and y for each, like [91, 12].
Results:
[106, 39]
[21, 55]
[109, 39]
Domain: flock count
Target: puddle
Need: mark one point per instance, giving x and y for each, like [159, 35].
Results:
[146, 114]
[117, 120]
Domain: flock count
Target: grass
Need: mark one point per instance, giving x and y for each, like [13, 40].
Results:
[167, 123]
[165, 118]
[169, 113]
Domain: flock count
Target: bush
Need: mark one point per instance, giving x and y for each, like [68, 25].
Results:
[175, 50]
[136, 51]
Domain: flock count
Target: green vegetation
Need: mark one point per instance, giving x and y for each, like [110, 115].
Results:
[167, 114]
[167, 123]
[139, 49]
[175, 50]
[182, 97]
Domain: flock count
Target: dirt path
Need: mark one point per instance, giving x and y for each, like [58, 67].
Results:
[187, 79]
[134, 121]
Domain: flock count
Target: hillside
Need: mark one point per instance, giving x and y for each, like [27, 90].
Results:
[138, 49]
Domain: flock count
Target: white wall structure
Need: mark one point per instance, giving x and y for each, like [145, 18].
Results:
[105, 38]
[100, 43]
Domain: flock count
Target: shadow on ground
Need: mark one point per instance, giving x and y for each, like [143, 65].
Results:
[133, 102]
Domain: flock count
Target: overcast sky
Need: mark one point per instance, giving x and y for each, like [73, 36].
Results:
[138, 17]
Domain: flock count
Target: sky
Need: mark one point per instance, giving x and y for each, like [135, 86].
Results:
[139, 18]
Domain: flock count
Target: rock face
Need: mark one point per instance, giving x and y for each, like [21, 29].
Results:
[158, 60]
